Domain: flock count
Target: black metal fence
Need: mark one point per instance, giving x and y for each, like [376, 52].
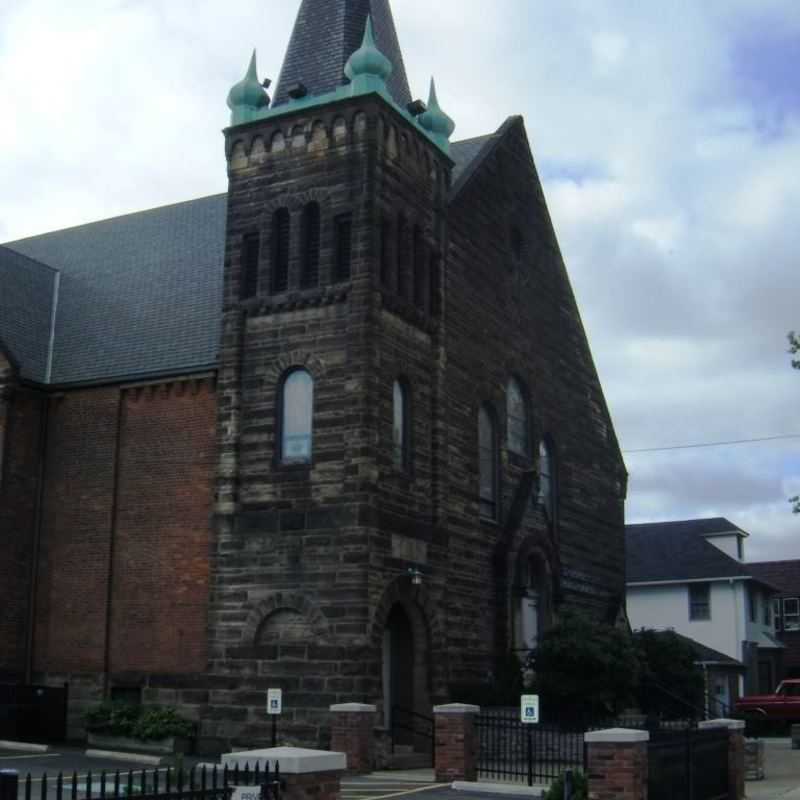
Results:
[688, 765]
[168, 783]
[510, 750]
[33, 713]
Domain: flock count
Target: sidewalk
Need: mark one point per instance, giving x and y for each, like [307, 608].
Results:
[782, 771]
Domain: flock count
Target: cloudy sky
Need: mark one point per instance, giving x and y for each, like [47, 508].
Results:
[667, 136]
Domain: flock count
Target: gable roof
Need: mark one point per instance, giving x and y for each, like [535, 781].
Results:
[326, 34]
[27, 300]
[707, 655]
[140, 295]
[784, 575]
[669, 551]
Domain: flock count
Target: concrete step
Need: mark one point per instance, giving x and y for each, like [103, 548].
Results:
[409, 760]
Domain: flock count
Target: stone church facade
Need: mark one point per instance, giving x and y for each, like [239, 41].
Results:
[338, 431]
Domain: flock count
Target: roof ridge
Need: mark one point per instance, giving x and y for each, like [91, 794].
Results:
[9, 244]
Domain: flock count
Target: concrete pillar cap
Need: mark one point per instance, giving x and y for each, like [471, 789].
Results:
[616, 736]
[730, 724]
[363, 708]
[456, 708]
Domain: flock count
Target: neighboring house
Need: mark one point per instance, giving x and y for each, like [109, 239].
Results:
[784, 576]
[688, 576]
[235, 430]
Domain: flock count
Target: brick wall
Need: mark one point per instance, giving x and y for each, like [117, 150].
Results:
[20, 443]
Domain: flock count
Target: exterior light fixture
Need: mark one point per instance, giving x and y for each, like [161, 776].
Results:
[415, 575]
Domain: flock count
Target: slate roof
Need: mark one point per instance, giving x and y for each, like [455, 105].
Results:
[326, 34]
[26, 311]
[707, 655]
[666, 551]
[784, 575]
[140, 294]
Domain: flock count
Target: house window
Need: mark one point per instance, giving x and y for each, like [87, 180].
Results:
[400, 425]
[517, 419]
[487, 446]
[752, 603]
[280, 250]
[547, 483]
[296, 408]
[791, 613]
[776, 613]
[250, 249]
[310, 276]
[344, 232]
[699, 601]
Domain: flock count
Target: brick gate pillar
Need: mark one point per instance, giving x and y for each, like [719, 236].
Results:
[456, 748]
[616, 764]
[353, 733]
[735, 729]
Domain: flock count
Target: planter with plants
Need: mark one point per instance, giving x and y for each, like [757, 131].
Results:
[147, 729]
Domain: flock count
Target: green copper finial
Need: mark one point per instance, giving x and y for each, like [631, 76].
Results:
[436, 122]
[368, 68]
[247, 97]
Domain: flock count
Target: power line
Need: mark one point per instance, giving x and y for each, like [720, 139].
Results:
[713, 444]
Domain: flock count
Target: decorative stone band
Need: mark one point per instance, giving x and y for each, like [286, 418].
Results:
[456, 708]
[354, 708]
[730, 724]
[292, 760]
[616, 736]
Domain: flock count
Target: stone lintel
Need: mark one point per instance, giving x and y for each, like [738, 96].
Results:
[292, 760]
[616, 736]
[730, 724]
[363, 708]
[456, 708]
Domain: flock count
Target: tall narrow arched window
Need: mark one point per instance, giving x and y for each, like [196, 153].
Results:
[400, 425]
[517, 419]
[249, 260]
[547, 479]
[280, 250]
[310, 275]
[487, 457]
[420, 280]
[296, 409]
[344, 234]
[402, 255]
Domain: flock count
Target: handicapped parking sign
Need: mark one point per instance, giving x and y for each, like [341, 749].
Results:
[274, 701]
[529, 708]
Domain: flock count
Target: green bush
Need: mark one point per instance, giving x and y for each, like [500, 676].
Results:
[148, 723]
[580, 788]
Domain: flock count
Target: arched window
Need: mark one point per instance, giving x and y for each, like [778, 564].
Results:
[310, 275]
[344, 233]
[547, 480]
[402, 255]
[400, 425]
[280, 250]
[420, 280]
[487, 455]
[296, 409]
[249, 259]
[517, 419]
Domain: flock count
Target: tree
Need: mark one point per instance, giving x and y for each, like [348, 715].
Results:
[585, 668]
[794, 349]
[671, 683]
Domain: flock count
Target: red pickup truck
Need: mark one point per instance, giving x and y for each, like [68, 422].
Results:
[784, 704]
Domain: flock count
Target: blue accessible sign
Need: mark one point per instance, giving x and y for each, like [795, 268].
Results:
[529, 708]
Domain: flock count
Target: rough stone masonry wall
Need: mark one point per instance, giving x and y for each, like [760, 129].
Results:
[506, 317]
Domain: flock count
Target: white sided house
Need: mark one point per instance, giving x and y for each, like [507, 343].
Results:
[689, 576]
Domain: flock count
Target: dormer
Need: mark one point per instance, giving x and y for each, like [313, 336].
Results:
[725, 536]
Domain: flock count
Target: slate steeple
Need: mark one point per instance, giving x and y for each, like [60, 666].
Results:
[326, 33]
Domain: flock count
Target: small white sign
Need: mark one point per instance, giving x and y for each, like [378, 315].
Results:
[246, 793]
[529, 708]
[274, 701]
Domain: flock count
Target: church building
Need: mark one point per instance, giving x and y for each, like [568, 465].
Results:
[336, 431]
